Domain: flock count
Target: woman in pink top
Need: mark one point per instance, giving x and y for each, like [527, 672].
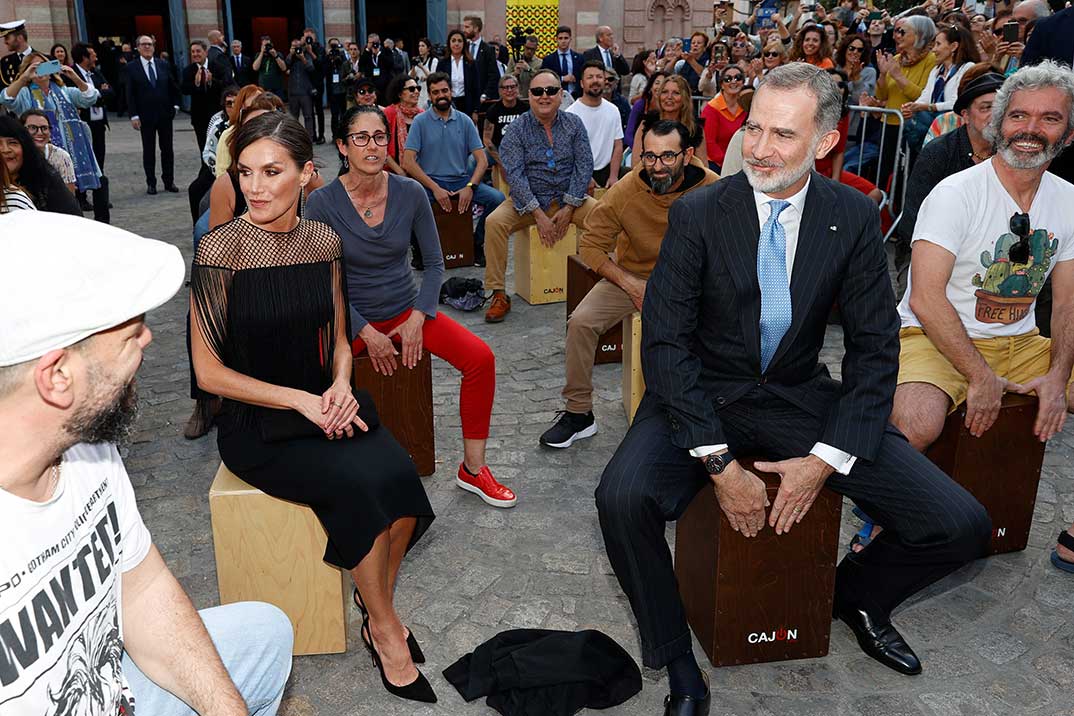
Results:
[722, 116]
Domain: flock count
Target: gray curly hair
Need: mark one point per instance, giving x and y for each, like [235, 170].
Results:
[1046, 74]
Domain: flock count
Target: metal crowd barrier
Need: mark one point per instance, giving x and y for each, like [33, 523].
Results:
[900, 166]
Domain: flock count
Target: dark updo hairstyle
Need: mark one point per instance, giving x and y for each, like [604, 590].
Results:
[34, 174]
[281, 128]
[395, 88]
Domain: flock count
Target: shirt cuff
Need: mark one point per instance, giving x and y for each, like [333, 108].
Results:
[134, 117]
[530, 207]
[838, 460]
[89, 93]
[573, 200]
[703, 450]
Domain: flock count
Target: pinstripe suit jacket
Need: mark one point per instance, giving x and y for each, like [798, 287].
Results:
[701, 345]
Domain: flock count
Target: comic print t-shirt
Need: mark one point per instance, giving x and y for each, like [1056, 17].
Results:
[61, 642]
[969, 214]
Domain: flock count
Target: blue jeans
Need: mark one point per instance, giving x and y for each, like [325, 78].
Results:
[485, 195]
[254, 640]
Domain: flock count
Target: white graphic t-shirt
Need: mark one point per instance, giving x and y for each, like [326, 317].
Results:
[969, 214]
[61, 640]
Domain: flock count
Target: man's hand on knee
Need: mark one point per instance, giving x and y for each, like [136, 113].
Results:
[742, 498]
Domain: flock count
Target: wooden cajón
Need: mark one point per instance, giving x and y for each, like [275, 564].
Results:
[765, 598]
[633, 378]
[1001, 468]
[404, 403]
[580, 280]
[272, 550]
[541, 272]
[456, 234]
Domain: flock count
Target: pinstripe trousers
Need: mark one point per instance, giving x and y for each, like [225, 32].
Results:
[932, 525]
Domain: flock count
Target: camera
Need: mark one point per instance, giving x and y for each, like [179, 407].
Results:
[518, 40]
[309, 40]
[268, 47]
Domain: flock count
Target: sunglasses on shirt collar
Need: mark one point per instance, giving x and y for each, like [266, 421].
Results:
[1020, 227]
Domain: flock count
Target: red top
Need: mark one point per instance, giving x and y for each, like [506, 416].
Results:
[720, 126]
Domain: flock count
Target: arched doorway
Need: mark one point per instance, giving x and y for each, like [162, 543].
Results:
[124, 20]
[396, 19]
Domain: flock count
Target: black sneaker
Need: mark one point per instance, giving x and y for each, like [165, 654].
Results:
[569, 427]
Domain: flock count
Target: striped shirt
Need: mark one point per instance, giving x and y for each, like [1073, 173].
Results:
[15, 200]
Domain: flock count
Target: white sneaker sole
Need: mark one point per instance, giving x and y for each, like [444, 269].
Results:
[488, 500]
[581, 434]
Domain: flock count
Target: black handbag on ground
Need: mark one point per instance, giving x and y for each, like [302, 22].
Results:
[280, 425]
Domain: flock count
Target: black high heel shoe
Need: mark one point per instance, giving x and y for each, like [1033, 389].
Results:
[416, 654]
[417, 690]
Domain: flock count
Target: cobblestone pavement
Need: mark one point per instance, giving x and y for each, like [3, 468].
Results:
[996, 638]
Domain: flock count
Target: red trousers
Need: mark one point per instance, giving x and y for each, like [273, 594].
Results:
[445, 338]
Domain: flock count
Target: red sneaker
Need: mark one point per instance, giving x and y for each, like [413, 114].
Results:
[484, 485]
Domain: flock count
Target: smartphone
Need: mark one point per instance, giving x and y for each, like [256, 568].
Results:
[52, 67]
[1010, 32]
[874, 16]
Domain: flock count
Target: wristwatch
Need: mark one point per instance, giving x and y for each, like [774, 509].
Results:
[471, 185]
[716, 463]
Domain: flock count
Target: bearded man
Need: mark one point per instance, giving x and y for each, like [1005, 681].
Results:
[735, 314]
[969, 332]
[631, 218]
[92, 621]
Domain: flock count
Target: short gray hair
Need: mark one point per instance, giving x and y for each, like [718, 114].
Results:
[796, 75]
[1046, 74]
[1039, 7]
[924, 30]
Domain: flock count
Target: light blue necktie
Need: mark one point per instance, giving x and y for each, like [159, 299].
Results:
[775, 288]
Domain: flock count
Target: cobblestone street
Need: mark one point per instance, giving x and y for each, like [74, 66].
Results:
[996, 638]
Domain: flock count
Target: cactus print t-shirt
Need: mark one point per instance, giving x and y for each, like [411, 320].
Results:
[997, 276]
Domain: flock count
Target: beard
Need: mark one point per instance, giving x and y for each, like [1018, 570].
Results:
[105, 421]
[442, 103]
[780, 180]
[1023, 160]
[662, 185]
[595, 93]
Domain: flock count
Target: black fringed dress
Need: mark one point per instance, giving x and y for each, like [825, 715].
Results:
[268, 304]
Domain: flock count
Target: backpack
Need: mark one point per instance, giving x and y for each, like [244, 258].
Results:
[465, 294]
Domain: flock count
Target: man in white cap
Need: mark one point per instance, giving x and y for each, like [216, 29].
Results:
[17, 42]
[91, 619]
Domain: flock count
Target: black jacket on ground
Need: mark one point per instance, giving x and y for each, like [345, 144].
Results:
[539, 672]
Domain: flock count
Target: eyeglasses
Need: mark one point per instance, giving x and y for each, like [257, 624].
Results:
[361, 139]
[856, 48]
[733, 78]
[365, 91]
[509, 87]
[667, 158]
[773, 54]
[411, 88]
[38, 129]
[900, 31]
[542, 91]
[145, 44]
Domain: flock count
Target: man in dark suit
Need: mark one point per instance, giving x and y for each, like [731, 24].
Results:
[484, 54]
[85, 64]
[200, 83]
[607, 53]
[241, 65]
[217, 53]
[566, 62]
[377, 64]
[153, 100]
[734, 320]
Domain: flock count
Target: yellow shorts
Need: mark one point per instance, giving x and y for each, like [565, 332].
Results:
[1016, 358]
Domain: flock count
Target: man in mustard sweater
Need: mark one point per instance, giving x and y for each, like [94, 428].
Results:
[631, 218]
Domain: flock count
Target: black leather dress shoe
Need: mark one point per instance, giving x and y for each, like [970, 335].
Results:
[172, 188]
[151, 190]
[880, 640]
[689, 705]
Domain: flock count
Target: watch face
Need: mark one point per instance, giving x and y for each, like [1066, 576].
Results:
[714, 463]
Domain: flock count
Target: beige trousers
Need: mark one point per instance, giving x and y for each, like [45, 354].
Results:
[505, 221]
[604, 306]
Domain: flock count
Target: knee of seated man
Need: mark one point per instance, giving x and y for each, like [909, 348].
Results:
[271, 628]
[619, 493]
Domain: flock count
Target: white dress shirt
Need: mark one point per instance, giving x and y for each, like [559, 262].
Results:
[458, 77]
[791, 220]
[145, 68]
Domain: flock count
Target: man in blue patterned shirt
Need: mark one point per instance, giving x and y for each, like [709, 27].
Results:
[548, 163]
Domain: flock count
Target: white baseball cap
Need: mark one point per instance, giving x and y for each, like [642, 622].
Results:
[64, 278]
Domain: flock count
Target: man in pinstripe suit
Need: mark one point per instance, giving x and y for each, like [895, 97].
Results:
[734, 320]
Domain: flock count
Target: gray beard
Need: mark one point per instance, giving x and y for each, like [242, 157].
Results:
[1033, 161]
